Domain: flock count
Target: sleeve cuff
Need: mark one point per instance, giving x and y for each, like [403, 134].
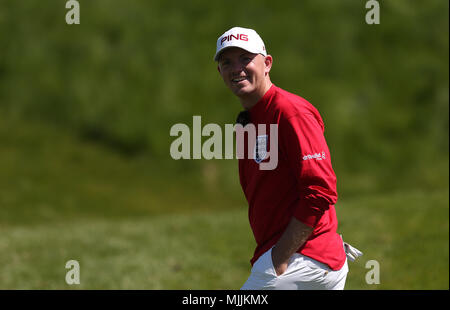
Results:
[307, 214]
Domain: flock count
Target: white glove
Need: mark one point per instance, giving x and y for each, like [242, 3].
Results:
[352, 252]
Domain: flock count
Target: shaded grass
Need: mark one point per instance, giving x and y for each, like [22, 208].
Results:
[50, 175]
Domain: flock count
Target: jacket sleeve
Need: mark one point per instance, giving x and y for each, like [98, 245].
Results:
[304, 147]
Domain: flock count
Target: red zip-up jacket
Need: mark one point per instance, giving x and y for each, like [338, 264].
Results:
[302, 185]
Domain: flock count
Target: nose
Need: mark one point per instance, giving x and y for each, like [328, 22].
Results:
[236, 67]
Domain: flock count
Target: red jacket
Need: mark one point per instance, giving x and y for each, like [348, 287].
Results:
[302, 185]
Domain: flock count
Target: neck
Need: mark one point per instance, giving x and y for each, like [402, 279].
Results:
[251, 100]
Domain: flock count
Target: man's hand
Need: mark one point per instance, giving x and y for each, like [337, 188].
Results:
[293, 238]
[280, 268]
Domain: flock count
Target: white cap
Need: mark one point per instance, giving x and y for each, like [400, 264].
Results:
[244, 38]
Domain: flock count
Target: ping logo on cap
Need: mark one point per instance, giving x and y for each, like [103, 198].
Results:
[230, 37]
[244, 38]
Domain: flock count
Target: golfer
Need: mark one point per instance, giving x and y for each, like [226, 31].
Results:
[291, 208]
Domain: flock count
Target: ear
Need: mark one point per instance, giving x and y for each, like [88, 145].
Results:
[218, 69]
[268, 61]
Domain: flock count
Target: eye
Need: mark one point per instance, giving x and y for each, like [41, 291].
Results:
[224, 62]
[246, 59]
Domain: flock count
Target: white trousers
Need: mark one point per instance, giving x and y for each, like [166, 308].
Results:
[302, 273]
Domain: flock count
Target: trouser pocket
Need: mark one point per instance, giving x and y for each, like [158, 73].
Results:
[264, 264]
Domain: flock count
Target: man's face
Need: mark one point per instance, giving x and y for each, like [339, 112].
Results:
[243, 72]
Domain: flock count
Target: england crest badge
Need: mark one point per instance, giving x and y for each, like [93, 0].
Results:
[260, 152]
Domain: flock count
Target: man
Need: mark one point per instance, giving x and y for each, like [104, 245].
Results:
[291, 208]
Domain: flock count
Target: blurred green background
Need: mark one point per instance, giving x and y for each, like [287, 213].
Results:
[85, 114]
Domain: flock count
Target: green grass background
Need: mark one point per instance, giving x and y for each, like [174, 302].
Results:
[85, 114]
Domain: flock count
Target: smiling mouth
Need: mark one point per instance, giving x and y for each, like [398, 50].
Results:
[239, 79]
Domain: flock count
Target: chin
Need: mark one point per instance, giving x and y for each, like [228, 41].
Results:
[244, 91]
